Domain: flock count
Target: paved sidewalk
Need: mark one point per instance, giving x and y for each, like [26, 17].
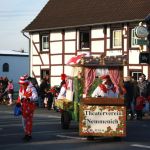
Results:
[38, 112]
[46, 112]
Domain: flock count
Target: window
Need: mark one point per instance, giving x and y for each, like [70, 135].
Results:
[133, 38]
[5, 67]
[117, 38]
[44, 42]
[44, 72]
[136, 74]
[84, 39]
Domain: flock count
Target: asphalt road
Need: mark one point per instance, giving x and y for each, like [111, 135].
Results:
[48, 135]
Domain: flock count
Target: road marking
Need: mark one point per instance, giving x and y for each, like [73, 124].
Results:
[35, 143]
[46, 116]
[70, 137]
[141, 146]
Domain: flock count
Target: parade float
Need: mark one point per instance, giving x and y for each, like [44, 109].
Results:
[97, 116]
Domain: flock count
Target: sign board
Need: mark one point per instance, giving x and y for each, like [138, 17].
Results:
[141, 42]
[102, 120]
[144, 57]
[141, 31]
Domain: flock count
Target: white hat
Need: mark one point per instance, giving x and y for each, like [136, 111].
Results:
[23, 80]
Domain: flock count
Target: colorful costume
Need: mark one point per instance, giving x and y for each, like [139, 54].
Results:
[105, 90]
[27, 95]
[63, 87]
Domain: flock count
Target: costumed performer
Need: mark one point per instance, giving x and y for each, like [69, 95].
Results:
[27, 97]
[106, 88]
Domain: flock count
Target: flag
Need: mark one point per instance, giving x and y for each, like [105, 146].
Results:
[75, 59]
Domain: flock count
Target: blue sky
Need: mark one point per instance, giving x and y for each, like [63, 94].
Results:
[15, 15]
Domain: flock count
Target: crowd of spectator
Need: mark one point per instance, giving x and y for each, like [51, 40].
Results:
[6, 90]
[137, 97]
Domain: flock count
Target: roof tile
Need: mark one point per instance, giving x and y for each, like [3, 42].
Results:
[72, 13]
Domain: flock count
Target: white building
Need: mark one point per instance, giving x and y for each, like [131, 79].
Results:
[67, 28]
[13, 64]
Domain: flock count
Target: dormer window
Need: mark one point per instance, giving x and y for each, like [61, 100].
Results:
[84, 39]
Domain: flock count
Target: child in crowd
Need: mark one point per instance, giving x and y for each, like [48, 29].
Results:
[10, 90]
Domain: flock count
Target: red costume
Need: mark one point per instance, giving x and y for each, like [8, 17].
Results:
[140, 101]
[106, 88]
[27, 97]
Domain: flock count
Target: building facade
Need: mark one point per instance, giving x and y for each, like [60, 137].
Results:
[66, 29]
[13, 65]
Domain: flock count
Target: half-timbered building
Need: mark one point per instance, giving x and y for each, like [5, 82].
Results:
[66, 28]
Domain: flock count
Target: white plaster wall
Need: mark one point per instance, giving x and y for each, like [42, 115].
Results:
[125, 45]
[45, 58]
[70, 46]
[56, 59]
[56, 47]
[97, 46]
[97, 33]
[125, 71]
[36, 40]
[108, 44]
[36, 60]
[108, 31]
[77, 40]
[55, 36]
[35, 37]
[55, 81]
[35, 50]
[31, 55]
[36, 70]
[133, 57]
[68, 70]
[94, 55]
[45, 67]
[135, 67]
[56, 70]
[145, 70]
[144, 47]
[114, 53]
[125, 31]
[70, 35]
[87, 53]
[67, 58]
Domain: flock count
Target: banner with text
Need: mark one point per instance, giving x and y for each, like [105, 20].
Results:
[102, 120]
